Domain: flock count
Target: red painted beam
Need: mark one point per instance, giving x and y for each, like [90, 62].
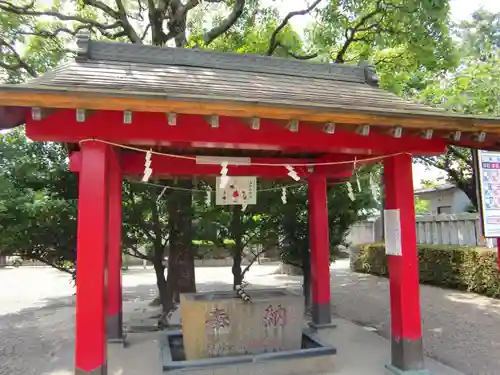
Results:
[133, 164]
[149, 128]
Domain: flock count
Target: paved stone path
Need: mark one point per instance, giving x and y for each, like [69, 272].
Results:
[37, 316]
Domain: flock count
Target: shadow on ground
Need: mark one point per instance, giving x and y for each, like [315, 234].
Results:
[39, 340]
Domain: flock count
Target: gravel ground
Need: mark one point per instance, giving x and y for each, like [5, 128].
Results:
[461, 330]
[37, 313]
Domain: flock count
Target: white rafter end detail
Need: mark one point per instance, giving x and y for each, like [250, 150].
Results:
[80, 115]
[456, 135]
[397, 132]
[364, 130]
[213, 121]
[255, 123]
[329, 128]
[293, 125]
[172, 118]
[480, 137]
[36, 113]
[127, 117]
[427, 133]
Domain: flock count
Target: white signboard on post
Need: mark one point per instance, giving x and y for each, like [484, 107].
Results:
[489, 189]
[239, 190]
[392, 232]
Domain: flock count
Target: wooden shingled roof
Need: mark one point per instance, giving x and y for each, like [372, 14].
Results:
[119, 76]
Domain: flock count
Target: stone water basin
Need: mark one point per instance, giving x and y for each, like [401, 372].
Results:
[219, 324]
[313, 357]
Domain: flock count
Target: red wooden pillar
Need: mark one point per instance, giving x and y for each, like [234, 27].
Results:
[401, 247]
[90, 345]
[320, 251]
[114, 295]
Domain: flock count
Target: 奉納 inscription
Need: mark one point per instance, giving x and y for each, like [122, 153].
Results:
[217, 321]
[274, 316]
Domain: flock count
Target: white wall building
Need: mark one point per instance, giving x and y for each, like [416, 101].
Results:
[444, 199]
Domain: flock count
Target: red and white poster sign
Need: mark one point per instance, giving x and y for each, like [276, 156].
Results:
[489, 186]
[241, 190]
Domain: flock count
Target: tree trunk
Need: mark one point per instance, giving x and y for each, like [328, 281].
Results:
[166, 298]
[159, 249]
[180, 276]
[236, 231]
[236, 269]
[469, 186]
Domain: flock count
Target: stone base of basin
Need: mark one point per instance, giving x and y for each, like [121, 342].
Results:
[219, 324]
[315, 357]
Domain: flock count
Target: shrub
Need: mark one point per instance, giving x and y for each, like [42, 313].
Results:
[208, 250]
[450, 266]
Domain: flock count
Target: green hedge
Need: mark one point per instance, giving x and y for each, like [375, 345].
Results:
[457, 267]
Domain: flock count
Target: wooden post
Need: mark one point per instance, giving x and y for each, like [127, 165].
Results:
[320, 251]
[401, 247]
[114, 293]
[90, 345]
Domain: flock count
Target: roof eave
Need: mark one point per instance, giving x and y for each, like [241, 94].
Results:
[433, 190]
[13, 106]
[11, 116]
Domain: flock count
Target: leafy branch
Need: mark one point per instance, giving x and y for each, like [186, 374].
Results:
[456, 163]
[29, 10]
[351, 33]
[274, 43]
[256, 256]
[227, 23]
[19, 63]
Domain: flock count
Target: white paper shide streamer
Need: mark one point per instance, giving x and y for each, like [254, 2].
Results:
[374, 188]
[224, 179]
[283, 195]
[350, 192]
[292, 173]
[148, 171]
[208, 197]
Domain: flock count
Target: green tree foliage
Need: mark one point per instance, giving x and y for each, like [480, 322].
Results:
[422, 207]
[274, 224]
[241, 233]
[252, 32]
[292, 219]
[37, 202]
[480, 36]
[35, 36]
[474, 88]
[405, 39]
[33, 39]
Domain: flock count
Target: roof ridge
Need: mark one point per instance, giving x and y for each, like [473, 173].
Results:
[89, 49]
